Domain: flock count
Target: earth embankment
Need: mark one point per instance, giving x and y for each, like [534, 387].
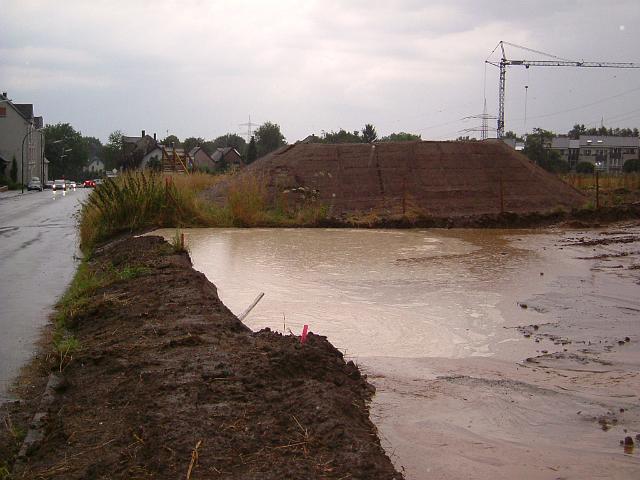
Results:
[429, 179]
[168, 383]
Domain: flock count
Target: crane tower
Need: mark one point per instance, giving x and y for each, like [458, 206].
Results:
[555, 62]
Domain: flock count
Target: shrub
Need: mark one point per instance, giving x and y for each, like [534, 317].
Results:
[632, 165]
[585, 167]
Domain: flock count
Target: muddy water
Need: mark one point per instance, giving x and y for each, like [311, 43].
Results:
[378, 292]
[430, 316]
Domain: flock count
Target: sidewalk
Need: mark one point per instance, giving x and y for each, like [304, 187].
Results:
[12, 193]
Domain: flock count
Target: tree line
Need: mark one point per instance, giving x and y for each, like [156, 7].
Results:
[69, 152]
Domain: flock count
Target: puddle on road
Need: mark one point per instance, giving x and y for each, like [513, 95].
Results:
[400, 293]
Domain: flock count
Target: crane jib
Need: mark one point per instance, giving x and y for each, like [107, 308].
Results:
[557, 62]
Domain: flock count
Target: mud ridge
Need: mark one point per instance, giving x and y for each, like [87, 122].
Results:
[168, 383]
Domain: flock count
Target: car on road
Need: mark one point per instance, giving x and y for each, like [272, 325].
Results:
[59, 185]
[48, 184]
[35, 184]
[89, 184]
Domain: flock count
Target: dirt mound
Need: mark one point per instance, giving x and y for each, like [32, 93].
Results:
[433, 179]
[168, 377]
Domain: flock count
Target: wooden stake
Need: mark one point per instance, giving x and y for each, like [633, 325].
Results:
[194, 459]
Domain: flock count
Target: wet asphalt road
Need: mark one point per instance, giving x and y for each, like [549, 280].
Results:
[38, 257]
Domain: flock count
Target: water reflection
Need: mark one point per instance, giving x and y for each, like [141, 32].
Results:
[372, 292]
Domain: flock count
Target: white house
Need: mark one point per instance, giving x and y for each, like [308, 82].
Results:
[96, 166]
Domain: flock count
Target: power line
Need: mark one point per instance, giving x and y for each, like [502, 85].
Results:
[580, 107]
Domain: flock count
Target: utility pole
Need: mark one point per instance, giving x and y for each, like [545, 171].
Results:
[557, 62]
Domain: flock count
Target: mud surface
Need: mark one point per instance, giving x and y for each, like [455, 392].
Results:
[169, 384]
[570, 410]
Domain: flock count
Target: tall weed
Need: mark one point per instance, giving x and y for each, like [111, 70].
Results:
[142, 199]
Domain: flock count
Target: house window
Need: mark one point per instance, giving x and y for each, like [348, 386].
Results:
[3, 111]
[630, 151]
[587, 152]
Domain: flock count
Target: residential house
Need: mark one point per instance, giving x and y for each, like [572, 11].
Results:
[20, 128]
[202, 160]
[567, 148]
[134, 149]
[227, 157]
[95, 165]
[608, 153]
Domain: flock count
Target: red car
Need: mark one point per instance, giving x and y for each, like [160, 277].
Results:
[89, 184]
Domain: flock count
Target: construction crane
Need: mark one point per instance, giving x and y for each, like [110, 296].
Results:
[556, 62]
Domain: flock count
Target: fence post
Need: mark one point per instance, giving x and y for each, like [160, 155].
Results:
[597, 189]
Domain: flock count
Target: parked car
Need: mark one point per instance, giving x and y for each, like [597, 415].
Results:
[59, 185]
[89, 184]
[48, 184]
[35, 184]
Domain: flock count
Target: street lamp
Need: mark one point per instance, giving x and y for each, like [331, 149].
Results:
[55, 142]
[22, 154]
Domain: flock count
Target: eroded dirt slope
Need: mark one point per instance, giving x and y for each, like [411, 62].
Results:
[435, 179]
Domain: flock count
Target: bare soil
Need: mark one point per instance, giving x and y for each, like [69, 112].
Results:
[411, 180]
[170, 384]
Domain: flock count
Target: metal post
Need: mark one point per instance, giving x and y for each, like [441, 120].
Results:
[42, 181]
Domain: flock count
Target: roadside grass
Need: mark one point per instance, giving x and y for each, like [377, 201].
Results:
[15, 435]
[139, 200]
[79, 301]
[143, 199]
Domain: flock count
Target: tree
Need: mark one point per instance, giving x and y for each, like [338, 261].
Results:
[155, 164]
[112, 151]
[401, 137]
[13, 173]
[341, 136]
[269, 138]
[171, 139]
[632, 165]
[513, 135]
[230, 140]
[192, 142]
[252, 151]
[66, 150]
[535, 148]
[369, 134]
[576, 131]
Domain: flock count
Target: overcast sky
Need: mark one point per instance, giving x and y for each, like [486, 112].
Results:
[201, 67]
